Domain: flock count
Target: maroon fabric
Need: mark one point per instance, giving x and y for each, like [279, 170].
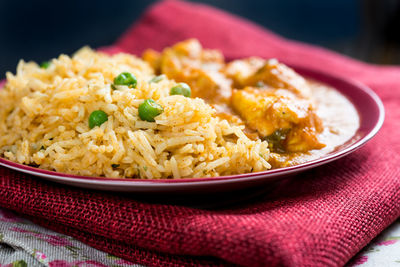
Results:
[321, 218]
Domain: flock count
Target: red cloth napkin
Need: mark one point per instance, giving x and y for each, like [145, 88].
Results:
[321, 218]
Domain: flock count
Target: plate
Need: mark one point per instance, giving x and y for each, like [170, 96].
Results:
[367, 103]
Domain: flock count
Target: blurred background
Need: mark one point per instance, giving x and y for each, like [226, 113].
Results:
[368, 30]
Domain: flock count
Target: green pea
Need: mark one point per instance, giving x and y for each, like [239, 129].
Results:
[181, 89]
[97, 118]
[127, 79]
[276, 140]
[157, 79]
[45, 64]
[149, 109]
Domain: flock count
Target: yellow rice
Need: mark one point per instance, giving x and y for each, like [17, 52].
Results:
[44, 122]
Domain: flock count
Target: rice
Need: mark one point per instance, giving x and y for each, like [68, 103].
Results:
[44, 123]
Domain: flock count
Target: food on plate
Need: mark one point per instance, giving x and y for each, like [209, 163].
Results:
[279, 112]
[180, 113]
[200, 68]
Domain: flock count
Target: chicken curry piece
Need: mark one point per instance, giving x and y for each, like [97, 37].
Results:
[269, 98]
[287, 121]
[200, 68]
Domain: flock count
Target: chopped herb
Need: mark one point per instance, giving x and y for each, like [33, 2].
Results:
[42, 148]
[20, 263]
[33, 165]
[261, 155]
[157, 79]
[260, 84]
[145, 168]
[276, 140]
[115, 165]
[113, 87]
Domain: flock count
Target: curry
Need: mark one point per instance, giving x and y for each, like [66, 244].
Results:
[300, 119]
